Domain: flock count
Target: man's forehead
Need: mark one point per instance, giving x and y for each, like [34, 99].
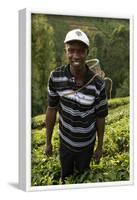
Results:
[75, 43]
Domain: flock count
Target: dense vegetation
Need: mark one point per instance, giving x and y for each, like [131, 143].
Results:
[114, 165]
[109, 42]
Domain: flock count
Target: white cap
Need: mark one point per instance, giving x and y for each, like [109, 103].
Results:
[77, 34]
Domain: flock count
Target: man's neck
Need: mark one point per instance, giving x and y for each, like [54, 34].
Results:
[78, 73]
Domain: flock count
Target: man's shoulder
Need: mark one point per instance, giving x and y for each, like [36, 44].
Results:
[97, 79]
[59, 71]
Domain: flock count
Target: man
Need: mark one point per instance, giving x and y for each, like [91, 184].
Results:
[79, 96]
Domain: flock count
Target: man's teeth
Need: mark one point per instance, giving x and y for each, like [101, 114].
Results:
[76, 63]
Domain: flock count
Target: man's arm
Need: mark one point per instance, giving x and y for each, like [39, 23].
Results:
[50, 122]
[100, 125]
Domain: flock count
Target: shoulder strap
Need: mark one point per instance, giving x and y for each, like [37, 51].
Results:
[74, 92]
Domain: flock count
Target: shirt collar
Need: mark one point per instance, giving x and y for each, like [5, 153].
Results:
[88, 76]
[67, 72]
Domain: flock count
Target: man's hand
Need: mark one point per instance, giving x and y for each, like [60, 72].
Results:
[97, 155]
[48, 150]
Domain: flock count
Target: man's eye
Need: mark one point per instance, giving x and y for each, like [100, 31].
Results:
[70, 50]
[82, 50]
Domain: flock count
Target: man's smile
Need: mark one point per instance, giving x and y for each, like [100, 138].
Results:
[76, 62]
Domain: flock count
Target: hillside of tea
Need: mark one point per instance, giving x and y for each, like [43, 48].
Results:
[114, 165]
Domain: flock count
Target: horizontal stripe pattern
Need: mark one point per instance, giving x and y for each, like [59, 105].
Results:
[60, 79]
[77, 110]
[79, 129]
[77, 144]
[82, 99]
[76, 113]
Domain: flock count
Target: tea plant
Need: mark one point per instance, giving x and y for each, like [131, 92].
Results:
[114, 165]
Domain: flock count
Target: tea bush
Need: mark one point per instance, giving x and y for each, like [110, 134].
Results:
[114, 165]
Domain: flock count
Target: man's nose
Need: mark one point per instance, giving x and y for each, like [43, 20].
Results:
[76, 55]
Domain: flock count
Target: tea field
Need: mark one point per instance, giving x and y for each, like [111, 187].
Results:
[114, 165]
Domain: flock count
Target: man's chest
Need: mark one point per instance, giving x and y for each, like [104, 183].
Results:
[85, 96]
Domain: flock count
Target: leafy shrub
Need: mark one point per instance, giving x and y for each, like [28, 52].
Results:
[38, 122]
[114, 103]
[114, 165]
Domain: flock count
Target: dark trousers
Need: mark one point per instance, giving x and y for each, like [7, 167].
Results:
[71, 160]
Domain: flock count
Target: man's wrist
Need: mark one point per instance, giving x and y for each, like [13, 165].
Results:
[100, 146]
[48, 143]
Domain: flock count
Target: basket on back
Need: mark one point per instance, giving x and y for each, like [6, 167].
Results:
[94, 65]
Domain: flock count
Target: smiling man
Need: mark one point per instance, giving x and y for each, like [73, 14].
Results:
[79, 96]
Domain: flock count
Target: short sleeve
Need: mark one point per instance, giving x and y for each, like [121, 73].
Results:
[53, 97]
[102, 103]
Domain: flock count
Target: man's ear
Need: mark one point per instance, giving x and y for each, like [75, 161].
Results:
[65, 49]
[87, 51]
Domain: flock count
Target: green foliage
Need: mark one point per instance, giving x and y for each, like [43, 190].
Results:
[38, 138]
[117, 60]
[60, 29]
[123, 89]
[38, 121]
[43, 61]
[114, 165]
[114, 103]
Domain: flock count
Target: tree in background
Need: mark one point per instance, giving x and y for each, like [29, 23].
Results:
[43, 61]
[117, 60]
[60, 28]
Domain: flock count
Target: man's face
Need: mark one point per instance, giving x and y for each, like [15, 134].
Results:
[76, 53]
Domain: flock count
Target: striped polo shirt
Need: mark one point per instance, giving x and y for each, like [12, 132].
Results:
[77, 109]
